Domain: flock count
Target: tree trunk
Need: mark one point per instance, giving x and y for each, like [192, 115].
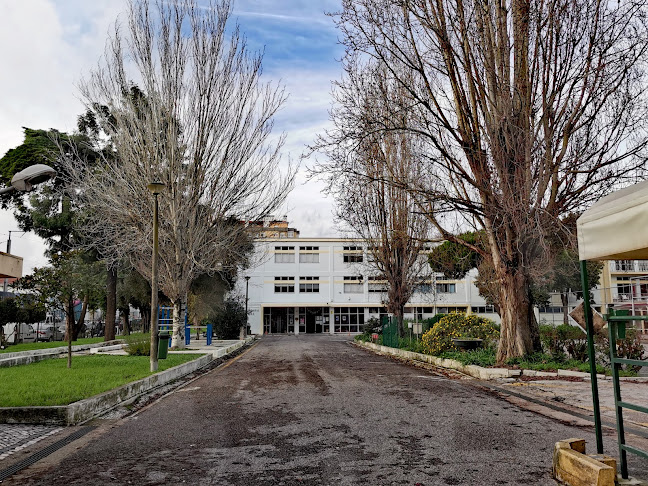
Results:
[82, 314]
[145, 314]
[111, 303]
[178, 339]
[519, 330]
[564, 298]
[400, 319]
[69, 330]
[125, 319]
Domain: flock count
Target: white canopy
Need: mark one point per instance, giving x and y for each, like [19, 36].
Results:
[616, 226]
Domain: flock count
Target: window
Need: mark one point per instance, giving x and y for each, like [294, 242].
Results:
[624, 265]
[423, 288]
[449, 310]
[446, 288]
[306, 285]
[307, 254]
[354, 285]
[348, 319]
[550, 309]
[284, 285]
[483, 309]
[352, 254]
[624, 291]
[377, 284]
[284, 254]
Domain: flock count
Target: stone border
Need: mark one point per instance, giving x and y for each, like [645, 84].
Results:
[88, 408]
[26, 357]
[472, 370]
[481, 372]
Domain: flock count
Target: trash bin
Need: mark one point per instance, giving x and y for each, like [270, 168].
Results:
[163, 344]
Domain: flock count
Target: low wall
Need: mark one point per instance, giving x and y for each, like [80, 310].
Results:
[26, 357]
[84, 410]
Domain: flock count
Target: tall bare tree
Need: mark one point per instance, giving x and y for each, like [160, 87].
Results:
[199, 121]
[369, 182]
[528, 110]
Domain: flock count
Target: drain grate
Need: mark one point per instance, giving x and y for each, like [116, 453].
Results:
[34, 458]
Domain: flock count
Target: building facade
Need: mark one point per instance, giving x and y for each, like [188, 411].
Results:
[327, 285]
[624, 285]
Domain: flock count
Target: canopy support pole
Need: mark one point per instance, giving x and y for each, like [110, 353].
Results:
[589, 324]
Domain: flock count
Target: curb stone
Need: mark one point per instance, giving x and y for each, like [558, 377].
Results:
[84, 410]
[33, 356]
[472, 370]
[485, 373]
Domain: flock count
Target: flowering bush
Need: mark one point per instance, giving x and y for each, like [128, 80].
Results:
[456, 325]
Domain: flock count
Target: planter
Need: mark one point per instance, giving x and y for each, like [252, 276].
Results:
[466, 344]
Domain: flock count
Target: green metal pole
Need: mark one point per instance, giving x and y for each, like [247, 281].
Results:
[589, 324]
[612, 329]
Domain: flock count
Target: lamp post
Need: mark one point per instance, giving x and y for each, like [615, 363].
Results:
[155, 188]
[243, 333]
[24, 181]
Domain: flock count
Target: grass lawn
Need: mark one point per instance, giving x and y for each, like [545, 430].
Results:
[50, 382]
[14, 348]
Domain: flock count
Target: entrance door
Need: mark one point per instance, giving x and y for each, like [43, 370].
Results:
[313, 320]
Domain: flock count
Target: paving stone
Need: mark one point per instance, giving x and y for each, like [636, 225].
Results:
[14, 437]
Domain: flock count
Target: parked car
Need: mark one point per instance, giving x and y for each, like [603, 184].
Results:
[48, 333]
[18, 332]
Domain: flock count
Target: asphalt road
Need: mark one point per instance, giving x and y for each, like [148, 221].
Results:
[315, 410]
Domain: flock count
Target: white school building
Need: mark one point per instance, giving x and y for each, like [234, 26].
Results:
[327, 285]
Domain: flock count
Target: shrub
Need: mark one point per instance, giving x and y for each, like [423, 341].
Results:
[564, 342]
[628, 348]
[372, 326]
[138, 344]
[457, 325]
[429, 323]
[228, 319]
[479, 357]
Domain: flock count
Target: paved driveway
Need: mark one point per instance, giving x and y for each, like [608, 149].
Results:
[316, 410]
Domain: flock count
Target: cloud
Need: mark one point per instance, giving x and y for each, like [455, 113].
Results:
[49, 45]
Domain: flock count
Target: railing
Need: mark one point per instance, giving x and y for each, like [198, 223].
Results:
[617, 321]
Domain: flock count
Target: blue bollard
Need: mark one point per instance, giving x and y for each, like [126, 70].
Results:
[187, 335]
[209, 334]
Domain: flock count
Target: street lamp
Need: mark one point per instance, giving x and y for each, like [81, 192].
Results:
[244, 327]
[155, 188]
[26, 179]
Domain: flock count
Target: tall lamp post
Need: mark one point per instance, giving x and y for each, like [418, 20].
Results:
[244, 328]
[156, 188]
[24, 181]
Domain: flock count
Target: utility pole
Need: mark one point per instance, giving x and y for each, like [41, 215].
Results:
[6, 280]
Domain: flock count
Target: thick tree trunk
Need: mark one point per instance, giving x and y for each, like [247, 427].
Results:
[178, 339]
[519, 329]
[111, 303]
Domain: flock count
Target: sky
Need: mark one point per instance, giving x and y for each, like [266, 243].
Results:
[48, 46]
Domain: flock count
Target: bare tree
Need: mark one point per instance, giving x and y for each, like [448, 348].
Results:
[369, 181]
[527, 109]
[187, 108]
